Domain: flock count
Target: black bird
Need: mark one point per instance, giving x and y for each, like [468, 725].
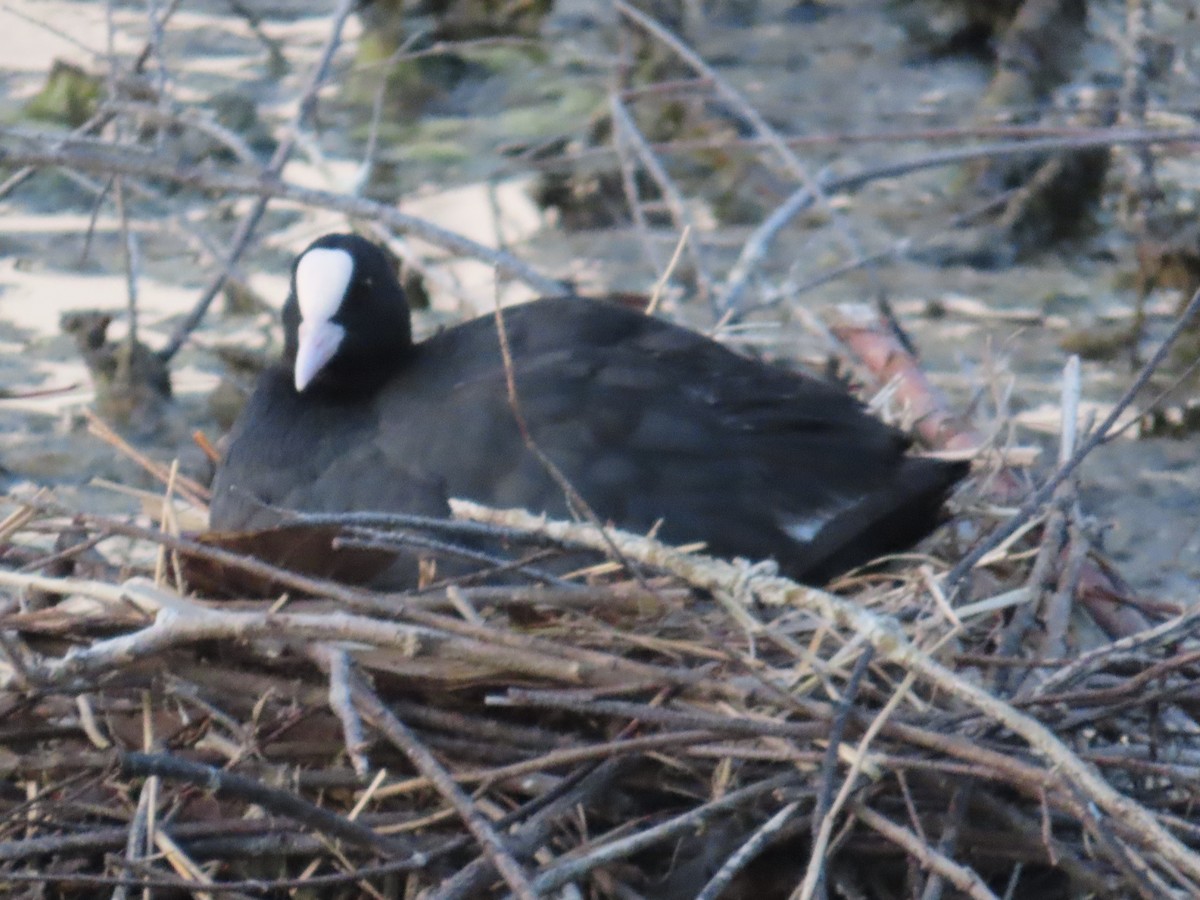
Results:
[648, 421]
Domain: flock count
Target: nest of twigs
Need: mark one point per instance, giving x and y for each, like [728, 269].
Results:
[654, 724]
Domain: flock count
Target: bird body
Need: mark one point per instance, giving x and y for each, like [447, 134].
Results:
[648, 421]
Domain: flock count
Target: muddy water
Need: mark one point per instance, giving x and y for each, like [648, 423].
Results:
[850, 71]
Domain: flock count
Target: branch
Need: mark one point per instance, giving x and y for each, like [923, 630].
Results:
[99, 158]
[245, 230]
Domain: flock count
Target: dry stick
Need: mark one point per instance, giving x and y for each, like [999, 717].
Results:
[845, 705]
[576, 791]
[726, 725]
[764, 132]
[898, 249]
[1171, 630]
[1057, 852]
[483, 729]
[584, 860]
[963, 878]
[891, 643]
[99, 119]
[179, 623]
[194, 236]
[1141, 189]
[245, 230]
[1039, 497]
[573, 756]
[696, 85]
[100, 159]
[759, 242]
[14, 181]
[254, 23]
[89, 156]
[102, 839]
[125, 367]
[192, 490]
[575, 500]
[1137, 869]
[221, 783]
[1093, 135]
[960, 800]
[351, 597]
[186, 118]
[367, 167]
[660, 286]
[747, 852]
[336, 661]
[398, 733]
[135, 841]
[154, 43]
[99, 840]
[1055, 533]
[182, 885]
[821, 835]
[393, 540]
[641, 224]
[1058, 611]
[625, 128]
[1129, 688]
[411, 521]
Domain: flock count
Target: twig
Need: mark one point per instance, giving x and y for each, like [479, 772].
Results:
[194, 492]
[425, 762]
[960, 876]
[656, 293]
[575, 501]
[829, 763]
[823, 829]
[1183, 624]
[132, 271]
[135, 841]
[575, 793]
[179, 622]
[1039, 497]
[757, 843]
[728, 302]
[624, 128]
[284, 803]
[393, 540]
[759, 242]
[254, 22]
[725, 725]
[337, 662]
[245, 229]
[1141, 191]
[119, 160]
[571, 869]
[633, 200]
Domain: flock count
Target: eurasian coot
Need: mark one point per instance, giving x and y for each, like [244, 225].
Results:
[647, 420]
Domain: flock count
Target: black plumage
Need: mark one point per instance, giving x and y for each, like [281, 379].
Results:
[647, 420]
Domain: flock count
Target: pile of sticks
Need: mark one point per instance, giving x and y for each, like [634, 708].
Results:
[663, 724]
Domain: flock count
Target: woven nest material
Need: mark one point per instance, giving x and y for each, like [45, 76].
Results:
[656, 724]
